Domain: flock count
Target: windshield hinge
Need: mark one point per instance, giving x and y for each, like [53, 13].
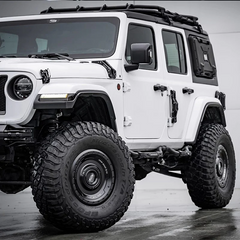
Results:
[45, 74]
[110, 70]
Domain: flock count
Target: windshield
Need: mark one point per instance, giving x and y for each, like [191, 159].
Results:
[78, 37]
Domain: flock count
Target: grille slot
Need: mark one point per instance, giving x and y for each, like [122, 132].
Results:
[3, 80]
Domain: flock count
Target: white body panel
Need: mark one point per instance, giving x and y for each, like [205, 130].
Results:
[146, 112]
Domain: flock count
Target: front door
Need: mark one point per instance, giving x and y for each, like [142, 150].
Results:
[145, 105]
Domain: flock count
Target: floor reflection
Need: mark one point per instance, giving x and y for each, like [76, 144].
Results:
[213, 224]
[155, 215]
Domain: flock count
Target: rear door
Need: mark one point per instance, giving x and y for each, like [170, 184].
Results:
[177, 73]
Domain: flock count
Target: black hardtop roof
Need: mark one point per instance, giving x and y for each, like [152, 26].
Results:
[145, 12]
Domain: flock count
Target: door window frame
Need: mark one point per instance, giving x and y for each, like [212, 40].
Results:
[154, 49]
[179, 36]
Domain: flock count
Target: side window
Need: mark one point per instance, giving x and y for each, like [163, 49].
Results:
[141, 34]
[174, 52]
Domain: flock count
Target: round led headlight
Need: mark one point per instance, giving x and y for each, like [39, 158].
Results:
[22, 87]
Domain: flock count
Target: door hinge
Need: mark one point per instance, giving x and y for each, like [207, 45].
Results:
[173, 108]
[126, 87]
[127, 121]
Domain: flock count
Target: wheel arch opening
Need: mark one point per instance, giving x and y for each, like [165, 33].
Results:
[95, 107]
[213, 113]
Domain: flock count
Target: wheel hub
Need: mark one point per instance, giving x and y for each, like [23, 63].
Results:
[222, 165]
[92, 177]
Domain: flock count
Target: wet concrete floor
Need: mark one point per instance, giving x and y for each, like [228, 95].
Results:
[153, 214]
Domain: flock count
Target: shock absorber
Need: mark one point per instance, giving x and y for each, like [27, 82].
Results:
[54, 123]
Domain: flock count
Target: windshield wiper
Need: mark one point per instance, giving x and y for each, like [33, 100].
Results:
[52, 55]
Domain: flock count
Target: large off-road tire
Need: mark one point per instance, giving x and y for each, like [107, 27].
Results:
[83, 178]
[212, 170]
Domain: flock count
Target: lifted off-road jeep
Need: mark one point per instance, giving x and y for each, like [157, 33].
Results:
[93, 98]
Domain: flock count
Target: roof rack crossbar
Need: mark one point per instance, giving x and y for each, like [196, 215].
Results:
[151, 10]
[158, 8]
[83, 9]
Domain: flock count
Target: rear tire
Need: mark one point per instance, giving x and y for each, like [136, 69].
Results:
[212, 168]
[83, 178]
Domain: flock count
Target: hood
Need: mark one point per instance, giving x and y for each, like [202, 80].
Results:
[57, 68]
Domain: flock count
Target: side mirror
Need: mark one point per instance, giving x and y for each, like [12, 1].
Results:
[140, 53]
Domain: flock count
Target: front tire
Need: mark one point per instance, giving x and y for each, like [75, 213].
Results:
[212, 169]
[83, 178]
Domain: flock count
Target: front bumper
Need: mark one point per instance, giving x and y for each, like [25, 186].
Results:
[16, 134]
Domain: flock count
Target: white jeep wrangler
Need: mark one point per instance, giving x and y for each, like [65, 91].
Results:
[93, 98]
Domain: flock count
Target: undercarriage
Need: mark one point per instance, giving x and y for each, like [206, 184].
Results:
[164, 160]
[19, 145]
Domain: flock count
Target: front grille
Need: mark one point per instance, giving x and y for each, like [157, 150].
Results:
[3, 79]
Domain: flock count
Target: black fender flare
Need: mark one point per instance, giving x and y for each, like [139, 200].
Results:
[71, 100]
[221, 119]
[220, 109]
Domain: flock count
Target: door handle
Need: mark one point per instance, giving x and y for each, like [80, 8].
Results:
[159, 87]
[187, 90]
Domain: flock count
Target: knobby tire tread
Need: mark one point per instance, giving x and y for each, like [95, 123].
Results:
[201, 179]
[46, 185]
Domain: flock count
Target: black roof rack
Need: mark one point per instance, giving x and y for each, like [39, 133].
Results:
[155, 11]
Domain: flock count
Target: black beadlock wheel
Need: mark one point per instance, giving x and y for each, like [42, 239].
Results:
[212, 169]
[92, 177]
[83, 178]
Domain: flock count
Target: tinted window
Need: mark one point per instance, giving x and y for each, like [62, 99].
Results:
[79, 37]
[140, 34]
[174, 52]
